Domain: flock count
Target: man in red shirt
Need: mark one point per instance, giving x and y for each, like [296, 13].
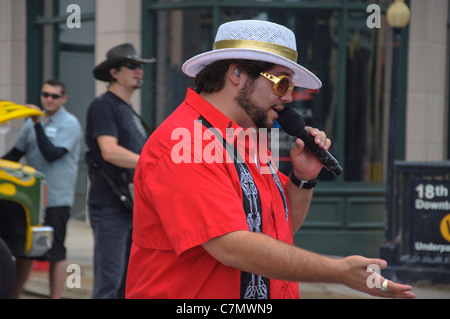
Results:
[213, 218]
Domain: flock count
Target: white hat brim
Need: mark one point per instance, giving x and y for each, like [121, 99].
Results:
[302, 76]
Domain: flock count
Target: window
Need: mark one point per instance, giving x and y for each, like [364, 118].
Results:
[364, 107]
[75, 58]
[63, 52]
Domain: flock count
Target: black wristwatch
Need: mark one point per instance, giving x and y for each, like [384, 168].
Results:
[302, 184]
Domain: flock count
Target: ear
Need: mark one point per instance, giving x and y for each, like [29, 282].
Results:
[113, 73]
[234, 74]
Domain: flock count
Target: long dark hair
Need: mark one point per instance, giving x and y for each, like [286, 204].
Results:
[212, 77]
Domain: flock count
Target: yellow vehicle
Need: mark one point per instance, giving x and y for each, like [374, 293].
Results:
[22, 208]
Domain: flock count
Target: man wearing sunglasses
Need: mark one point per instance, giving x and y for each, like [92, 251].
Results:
[51, 144]
[224, 229]
[114, 136]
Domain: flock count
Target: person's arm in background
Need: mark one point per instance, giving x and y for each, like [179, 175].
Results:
[13, 155]
[48, 150]
[115, 154]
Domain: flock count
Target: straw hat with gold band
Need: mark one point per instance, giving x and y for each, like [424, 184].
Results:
[255, 40]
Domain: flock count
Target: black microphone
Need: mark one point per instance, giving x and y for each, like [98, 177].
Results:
[293, 124]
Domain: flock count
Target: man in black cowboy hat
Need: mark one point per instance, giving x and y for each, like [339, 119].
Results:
[114, 136]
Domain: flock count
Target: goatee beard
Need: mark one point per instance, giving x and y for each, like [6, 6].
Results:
[257, 114]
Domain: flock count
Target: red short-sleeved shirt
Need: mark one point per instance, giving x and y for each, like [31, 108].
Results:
[183, 198]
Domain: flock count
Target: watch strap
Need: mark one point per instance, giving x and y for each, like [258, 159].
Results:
[302, 184]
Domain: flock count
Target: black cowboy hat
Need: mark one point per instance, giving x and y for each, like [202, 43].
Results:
[115, 56]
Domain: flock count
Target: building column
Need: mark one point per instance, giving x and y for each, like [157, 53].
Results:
[426, 120]
[117, 22]
[13, 59]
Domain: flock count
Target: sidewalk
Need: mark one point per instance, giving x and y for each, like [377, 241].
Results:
[79, 243]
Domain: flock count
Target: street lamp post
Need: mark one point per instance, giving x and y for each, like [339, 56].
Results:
[398, 17]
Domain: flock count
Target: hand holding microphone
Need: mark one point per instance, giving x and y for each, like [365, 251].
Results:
[293, 124]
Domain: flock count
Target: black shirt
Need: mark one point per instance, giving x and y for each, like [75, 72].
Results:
[110, 115]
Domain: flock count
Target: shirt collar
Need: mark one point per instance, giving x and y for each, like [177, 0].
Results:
[216, 118]
[225, 125]
[58, 115]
